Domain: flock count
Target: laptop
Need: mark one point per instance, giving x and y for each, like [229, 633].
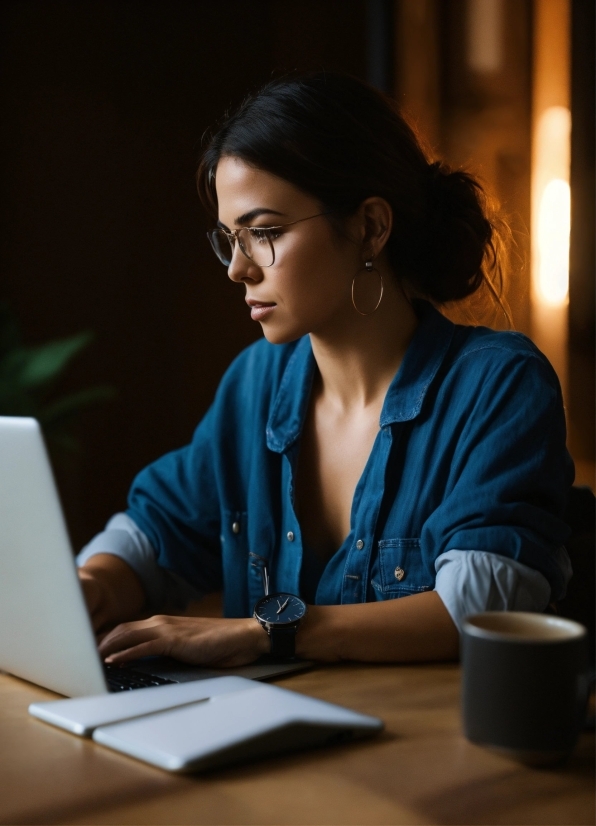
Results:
[46, 635]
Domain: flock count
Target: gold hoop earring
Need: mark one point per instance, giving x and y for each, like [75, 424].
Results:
[368, 266]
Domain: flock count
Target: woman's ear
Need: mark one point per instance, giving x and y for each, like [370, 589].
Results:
[376, 217]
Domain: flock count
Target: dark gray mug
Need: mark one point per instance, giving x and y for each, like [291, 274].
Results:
[525, 683]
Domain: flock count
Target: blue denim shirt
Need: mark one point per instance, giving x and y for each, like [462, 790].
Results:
[470, 455]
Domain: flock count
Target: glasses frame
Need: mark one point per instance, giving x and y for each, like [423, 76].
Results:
[233, 236]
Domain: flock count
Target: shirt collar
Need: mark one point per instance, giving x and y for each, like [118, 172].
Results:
[289, 409]
[420, 365]
[424, 356]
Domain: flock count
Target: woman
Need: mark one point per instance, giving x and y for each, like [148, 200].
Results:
[391, 469]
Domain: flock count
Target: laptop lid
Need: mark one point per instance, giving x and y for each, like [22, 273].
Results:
[45, 631]
[46, 635]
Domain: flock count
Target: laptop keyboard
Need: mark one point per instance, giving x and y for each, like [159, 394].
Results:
[120, 678]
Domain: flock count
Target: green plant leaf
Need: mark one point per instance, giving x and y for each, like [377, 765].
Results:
[26, 376]
[32, 367]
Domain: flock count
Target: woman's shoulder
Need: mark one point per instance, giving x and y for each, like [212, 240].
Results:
[473, 355]
[496, 362]
[485, 347]
[510, 343]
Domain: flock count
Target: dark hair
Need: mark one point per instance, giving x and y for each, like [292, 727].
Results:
[341, 141]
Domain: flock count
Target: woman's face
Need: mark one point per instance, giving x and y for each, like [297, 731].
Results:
[307, 289]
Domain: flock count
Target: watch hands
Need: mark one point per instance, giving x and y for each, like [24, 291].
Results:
[281, 608]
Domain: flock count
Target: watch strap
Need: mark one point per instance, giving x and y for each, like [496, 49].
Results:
[283, 642]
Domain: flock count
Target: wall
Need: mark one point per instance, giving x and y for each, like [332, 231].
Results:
[104, 104]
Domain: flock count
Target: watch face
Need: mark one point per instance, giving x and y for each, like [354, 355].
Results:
[279, 609]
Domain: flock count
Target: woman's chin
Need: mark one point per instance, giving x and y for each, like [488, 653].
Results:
[281, 335]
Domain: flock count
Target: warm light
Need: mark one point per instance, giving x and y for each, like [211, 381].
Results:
[552, 206]
[554, 220]
[553, 137]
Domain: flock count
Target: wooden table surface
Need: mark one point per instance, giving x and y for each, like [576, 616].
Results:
[420, 770]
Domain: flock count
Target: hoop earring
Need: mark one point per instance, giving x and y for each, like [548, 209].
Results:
[368, 266]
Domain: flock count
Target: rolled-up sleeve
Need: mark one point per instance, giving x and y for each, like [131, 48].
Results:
[470, 582]
[123, 538]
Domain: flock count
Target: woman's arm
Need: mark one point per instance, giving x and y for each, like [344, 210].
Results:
[112, 590]
[123, 539]
[413, 628]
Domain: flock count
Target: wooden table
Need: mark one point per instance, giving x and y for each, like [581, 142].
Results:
[420, 770]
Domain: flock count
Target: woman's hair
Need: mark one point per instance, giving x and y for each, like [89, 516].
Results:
[340, 140]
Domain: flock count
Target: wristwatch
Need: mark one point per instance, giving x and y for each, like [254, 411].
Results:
[280, 615]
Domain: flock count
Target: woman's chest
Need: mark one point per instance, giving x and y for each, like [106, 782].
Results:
[334, 451]
[364, 530]
[367, 534]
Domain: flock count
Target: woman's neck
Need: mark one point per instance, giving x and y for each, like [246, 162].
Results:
[358, 356]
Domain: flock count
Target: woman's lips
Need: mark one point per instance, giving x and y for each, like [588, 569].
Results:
[260, 310]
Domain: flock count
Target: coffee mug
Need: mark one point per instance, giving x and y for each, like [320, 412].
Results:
[525, 683]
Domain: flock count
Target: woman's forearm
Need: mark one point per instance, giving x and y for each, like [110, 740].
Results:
[112, 590]
[409, 629]
[414, 628]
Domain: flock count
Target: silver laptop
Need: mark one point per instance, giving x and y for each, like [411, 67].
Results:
[46, 635]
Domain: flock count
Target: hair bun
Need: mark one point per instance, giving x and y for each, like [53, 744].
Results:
[457, 232]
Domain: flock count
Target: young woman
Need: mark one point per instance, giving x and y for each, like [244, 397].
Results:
[368, 457]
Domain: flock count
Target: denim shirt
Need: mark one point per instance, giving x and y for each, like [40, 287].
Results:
[470, 455]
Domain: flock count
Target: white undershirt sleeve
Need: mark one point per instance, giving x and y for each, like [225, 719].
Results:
[123, 538]
[469, 582]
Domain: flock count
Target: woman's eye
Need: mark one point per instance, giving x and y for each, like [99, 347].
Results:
[262, 236]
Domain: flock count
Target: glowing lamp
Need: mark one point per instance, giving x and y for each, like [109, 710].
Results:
[554, 218]
[553, 206]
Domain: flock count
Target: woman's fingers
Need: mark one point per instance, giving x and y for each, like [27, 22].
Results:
[151, 648]
[130, 634]
[194, 640]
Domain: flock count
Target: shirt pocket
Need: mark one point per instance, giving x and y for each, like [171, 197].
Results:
[400, 570]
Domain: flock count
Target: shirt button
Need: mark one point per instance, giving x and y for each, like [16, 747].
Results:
[360, 544]
[399, 574]
[290, 536]
[235, 527]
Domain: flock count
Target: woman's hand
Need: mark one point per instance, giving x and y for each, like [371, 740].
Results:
[194, 640]
[416, 628]
[112, 590]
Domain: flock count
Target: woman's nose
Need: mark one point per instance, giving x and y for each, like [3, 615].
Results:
[242, 268]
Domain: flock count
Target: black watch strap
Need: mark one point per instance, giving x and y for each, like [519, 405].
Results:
[283, 643]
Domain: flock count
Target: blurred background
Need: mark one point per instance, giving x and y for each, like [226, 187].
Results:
[104, 105]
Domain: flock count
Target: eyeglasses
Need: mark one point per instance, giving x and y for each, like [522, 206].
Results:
[255, 242]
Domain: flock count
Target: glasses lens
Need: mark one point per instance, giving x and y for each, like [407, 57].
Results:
[256, 244]
[222, 246]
